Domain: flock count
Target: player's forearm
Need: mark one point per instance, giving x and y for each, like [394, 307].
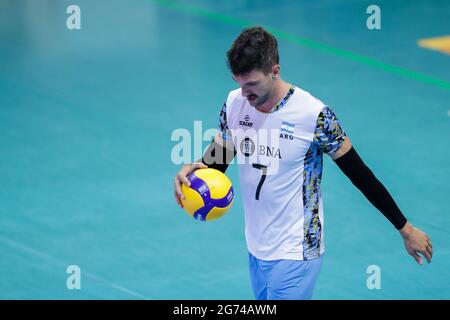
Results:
[364, 179]
[217, 156]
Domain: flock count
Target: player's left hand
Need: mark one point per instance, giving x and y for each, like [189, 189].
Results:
[417, 241]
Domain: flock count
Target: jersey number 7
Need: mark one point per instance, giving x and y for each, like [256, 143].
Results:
[263, 177]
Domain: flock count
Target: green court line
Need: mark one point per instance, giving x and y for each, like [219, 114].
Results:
[215, 16]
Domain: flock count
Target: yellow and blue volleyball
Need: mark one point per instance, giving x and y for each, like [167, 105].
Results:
[209, 196]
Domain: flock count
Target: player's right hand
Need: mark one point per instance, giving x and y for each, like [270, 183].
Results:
[417, 241]
[181, 177]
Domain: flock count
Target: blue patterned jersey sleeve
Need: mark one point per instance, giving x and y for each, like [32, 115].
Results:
[329, 134]
[223, 126]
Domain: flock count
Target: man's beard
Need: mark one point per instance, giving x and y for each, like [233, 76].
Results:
[259, 101]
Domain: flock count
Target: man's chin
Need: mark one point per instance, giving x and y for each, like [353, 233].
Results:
[253, 102]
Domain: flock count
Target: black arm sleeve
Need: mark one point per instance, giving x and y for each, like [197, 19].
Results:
[364, 179]
[218, 157]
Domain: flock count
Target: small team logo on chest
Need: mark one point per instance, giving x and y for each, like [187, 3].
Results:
[246, 122]
[247, 147]
[287, 130]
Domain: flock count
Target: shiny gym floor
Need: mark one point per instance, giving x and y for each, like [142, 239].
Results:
[87, 115]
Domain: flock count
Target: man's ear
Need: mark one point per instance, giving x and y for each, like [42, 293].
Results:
[276, 70]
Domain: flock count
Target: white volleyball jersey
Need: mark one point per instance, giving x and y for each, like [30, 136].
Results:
[280, 155]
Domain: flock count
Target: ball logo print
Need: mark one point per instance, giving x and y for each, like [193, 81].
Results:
[209, 196]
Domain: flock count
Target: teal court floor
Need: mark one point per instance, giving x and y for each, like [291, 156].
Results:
[86, 118]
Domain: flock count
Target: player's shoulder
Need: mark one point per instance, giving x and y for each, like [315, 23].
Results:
[308, 101]
[234, 98]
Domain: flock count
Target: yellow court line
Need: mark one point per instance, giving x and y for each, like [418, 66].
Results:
[441, 44]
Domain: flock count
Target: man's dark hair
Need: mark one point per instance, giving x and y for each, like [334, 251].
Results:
[253, 49]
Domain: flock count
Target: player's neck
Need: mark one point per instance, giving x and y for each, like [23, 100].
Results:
[280, 90]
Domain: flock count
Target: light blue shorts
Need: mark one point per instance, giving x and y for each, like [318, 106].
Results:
[283, 279]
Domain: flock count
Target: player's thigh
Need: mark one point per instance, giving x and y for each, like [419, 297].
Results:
[293, 279]
[257, 278]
